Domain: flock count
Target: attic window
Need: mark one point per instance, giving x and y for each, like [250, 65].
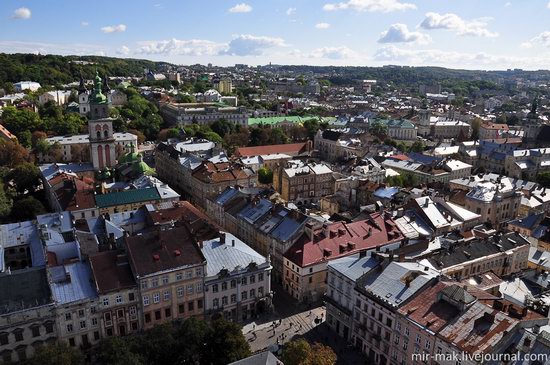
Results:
[327, 252]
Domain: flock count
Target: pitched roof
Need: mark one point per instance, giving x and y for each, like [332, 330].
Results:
[289, 149]
[111, 271]
[127, 197]
[343, 239]
[156, 251]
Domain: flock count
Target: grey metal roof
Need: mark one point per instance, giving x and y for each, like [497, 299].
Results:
[353, 267]
[231, 255]
[390, 285]
[71, 283]
[23, 289]
[263, 358]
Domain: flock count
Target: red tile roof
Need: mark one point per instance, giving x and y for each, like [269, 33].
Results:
[400, 157]
[343, 239]
[4, 133]
[73, 193]
[427, 311]
[291, 149]
[213, 173]
[111, 271]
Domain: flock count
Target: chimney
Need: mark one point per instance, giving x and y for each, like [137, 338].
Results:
[222, 238]
[232, 243]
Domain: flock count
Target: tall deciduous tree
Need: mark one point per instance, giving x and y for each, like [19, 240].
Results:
[56, 354]
[25, 177]
[12, 154]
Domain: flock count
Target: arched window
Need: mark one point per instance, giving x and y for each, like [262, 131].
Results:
[98, 134]
[106, 134]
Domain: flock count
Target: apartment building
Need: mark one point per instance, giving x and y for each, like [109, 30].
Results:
[169, 269]
[303, 182]
[333, 146]
[237, 283]
[305, 263]
[27, 314]
[202, 113]
[119, 306]
[380, 294]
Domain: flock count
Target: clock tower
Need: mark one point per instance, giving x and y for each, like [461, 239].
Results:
[100, 128]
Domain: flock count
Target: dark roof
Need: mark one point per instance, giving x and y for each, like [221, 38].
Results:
[457, 294]
[127, 197]
[331, 135]
[24, 289]
[529, 222]
[262, 358]
[111, 271]
[155, 251]
[460, 252]
[288, 149]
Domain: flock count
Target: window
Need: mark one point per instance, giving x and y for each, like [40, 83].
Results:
[199, 287]
[81, 313]
[310, 280]
[199, 303]
[35, 331]
[181, 308]
[189, 274]
[71, 340]
[244, 295]
[147, 317]
[156, 297]
[144, 284]
[131, 297]
[69, 328]
[260, 291]
[157, 315]
[216, 303]
[191, 306]
[233, 298]
[198, 271]
[398, 326]
[155, 282]
[167, 313]
[180, 291]
[190, 289]
[118, 299]
[252, 279]
[67, 316]
[105, 301]
[215, 288]
[243, 281]
[49, 327]
[418, 338]
[167, 295]
[82, 325]
[396, 339]
[233, 284]
[94, 321]
[224, 285]
[428, 345]
[4, 339]
[252, 293]
[224, 300]
[165, 279]
[261, 276]
[179, 276]
[406, 331]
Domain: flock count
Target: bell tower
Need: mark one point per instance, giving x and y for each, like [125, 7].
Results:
[100, 128]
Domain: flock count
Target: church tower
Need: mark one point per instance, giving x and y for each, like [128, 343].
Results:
[532, 125]
[100, 128]
[424, 117]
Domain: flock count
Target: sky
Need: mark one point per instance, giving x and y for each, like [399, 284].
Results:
[468, 34]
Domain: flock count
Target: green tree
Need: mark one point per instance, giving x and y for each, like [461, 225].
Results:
[265, 175]
[225, 343]
[25, 177]
[417, 146]
[296, 352]
[185, 98]
[5, 202]
[56, 354]
[115, 351]
[69, 124]
[378, 129]
[26, 208]
[322, 355]
[50, 110]
[476, 124]
[213, 137]
[222, 127]
[21, 123]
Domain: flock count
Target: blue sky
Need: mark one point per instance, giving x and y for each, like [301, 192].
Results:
[472, 34]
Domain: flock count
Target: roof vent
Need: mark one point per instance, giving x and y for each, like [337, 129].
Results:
[156, 257]
[177, 252]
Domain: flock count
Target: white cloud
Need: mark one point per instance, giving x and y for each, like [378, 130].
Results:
[548, 5]
[507, 4]
[49, 48]
[543, 38]
[22, 13]
[290, 11]
[450, 21]
[250, 45]
[241, 8]
[84, 24]
[333, 53]
[384, 6]
[123, 51]
[399, 33]
[114, 28]
[478, 61]
[322, 25]
[192, 47]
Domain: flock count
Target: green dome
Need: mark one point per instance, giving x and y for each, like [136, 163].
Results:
[97, 96]
[143, 169]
